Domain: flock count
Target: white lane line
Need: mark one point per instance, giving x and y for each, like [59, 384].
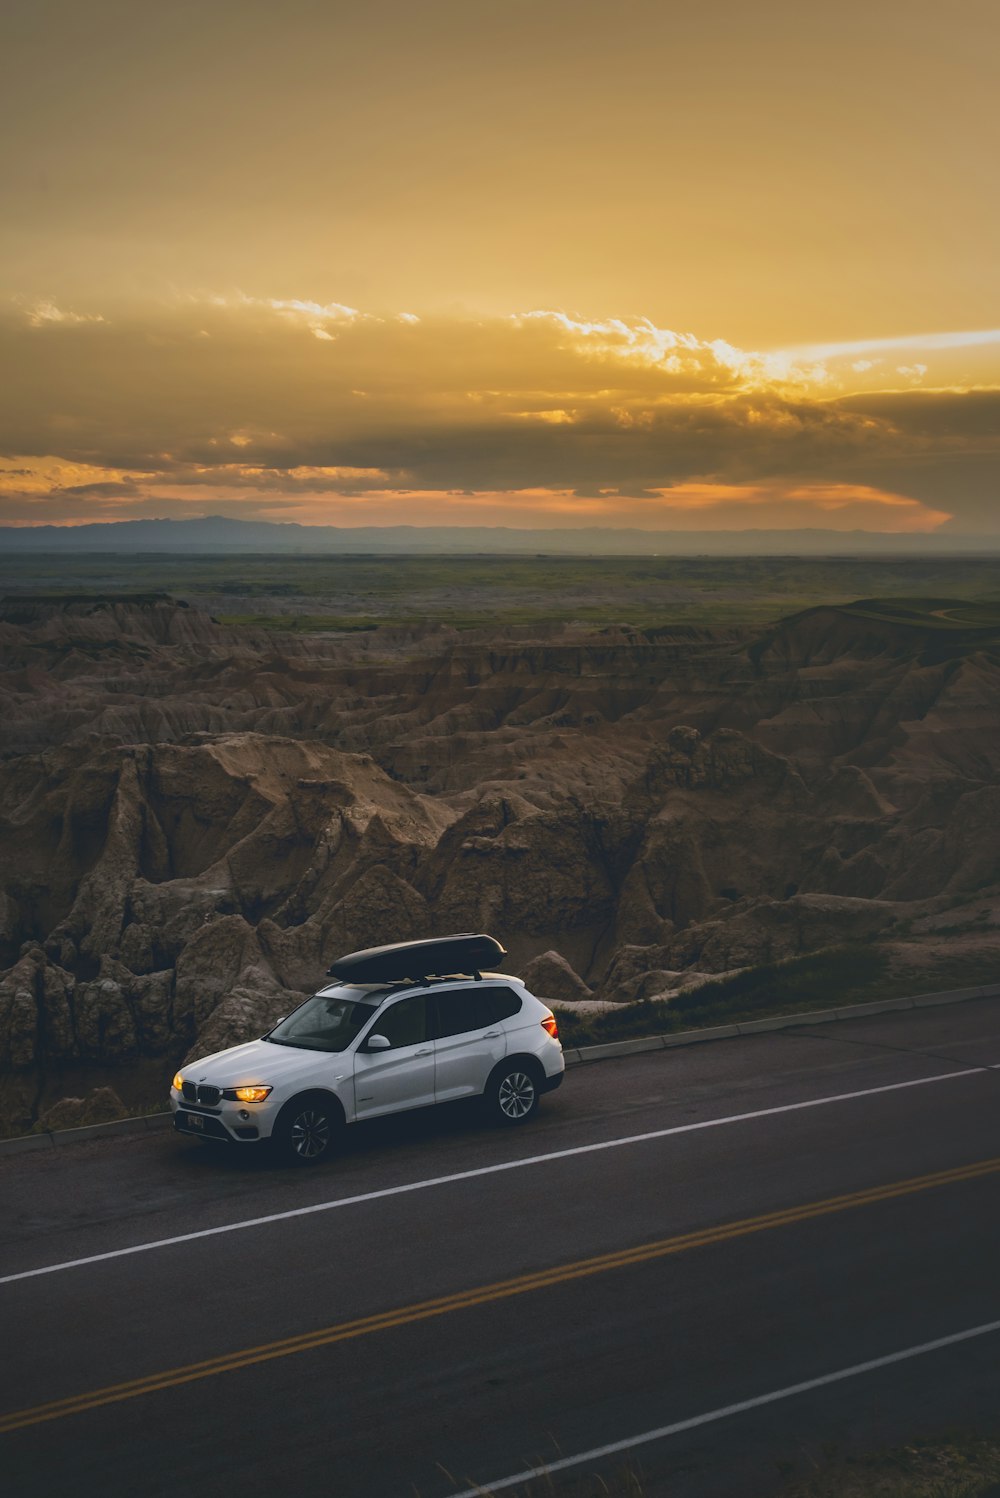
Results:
[488, 1170]
[614, 1448]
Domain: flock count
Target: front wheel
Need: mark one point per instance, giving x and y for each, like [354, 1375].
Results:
[307, 1131]
[512, 1096]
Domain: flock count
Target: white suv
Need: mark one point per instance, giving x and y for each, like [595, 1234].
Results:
[358, 1050]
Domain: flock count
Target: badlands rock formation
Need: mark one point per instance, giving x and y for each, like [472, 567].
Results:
[194, 821]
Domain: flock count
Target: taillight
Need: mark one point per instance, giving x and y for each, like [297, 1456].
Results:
[549, 1024]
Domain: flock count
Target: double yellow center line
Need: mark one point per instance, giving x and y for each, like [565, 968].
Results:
[480, 1295]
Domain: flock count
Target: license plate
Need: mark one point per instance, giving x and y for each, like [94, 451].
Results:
[195, 1121]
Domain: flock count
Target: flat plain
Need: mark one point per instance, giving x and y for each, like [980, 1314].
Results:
[329, 592]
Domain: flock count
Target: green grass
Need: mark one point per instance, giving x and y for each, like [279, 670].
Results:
[301, 624]
[340, 592]
[955, 1466]
[820, 980]
[947, 614]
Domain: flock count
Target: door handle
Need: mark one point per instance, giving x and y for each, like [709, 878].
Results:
[427, 1051]
[492, 1035]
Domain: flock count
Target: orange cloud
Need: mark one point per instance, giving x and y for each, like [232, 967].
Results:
[292, 408]
[35, 491]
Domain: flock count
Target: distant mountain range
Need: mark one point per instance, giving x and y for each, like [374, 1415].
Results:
[217, 533]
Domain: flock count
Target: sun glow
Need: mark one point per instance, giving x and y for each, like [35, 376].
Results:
[291, 408]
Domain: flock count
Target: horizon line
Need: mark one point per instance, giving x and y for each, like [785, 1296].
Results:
[75, 525]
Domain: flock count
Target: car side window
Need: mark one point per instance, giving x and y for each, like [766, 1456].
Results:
[405, 1023]
[504, 1003]
[462, 1009]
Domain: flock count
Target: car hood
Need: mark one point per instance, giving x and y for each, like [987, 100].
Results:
[259, 1061]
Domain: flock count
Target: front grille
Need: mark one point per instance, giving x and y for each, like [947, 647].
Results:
[206, 1096]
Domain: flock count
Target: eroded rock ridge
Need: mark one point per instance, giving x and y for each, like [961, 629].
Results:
[195, 820]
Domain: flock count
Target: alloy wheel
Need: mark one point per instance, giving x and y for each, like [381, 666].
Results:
[516, 1095]
[310, 1133]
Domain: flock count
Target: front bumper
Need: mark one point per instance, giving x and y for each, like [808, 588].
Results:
[229, 1123]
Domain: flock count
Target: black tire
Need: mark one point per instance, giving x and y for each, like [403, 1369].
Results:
[308, 1130]
[512, 1093]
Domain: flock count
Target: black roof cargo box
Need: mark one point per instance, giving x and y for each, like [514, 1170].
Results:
[419, 959]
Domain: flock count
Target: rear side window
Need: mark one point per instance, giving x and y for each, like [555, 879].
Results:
[505, 1002]
[463, 1009]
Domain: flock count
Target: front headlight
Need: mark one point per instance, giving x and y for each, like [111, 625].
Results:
[177, 1083]
[255, 1094]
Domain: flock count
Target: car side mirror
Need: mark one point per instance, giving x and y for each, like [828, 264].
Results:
[378, 1043]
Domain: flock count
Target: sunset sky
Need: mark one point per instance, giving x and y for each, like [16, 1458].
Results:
[717, 266]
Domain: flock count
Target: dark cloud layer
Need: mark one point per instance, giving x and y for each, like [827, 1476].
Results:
[287, 399]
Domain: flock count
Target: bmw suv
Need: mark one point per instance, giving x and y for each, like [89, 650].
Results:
[358, 1050]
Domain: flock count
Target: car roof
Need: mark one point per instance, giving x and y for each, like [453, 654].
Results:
[361, 993]
[375, 993]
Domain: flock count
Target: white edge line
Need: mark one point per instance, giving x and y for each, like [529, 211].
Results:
[486, 1170]
[615, 1447]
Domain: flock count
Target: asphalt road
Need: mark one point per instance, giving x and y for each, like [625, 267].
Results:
[445, 1305]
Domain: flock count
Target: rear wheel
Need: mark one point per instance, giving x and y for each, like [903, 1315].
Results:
[512, 1095]
[308, 1131]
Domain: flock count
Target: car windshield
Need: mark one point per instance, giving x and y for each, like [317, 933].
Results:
[323, 1024]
